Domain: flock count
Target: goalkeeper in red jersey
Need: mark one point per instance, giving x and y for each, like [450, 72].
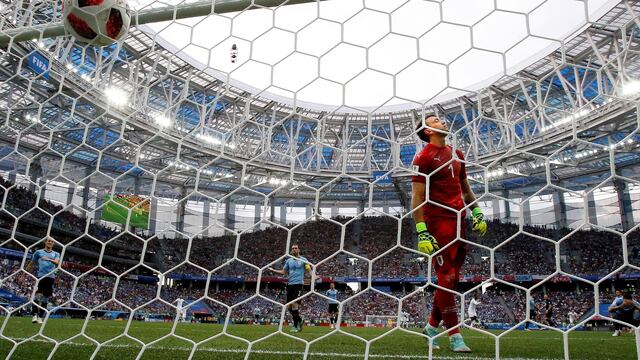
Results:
[437, 226]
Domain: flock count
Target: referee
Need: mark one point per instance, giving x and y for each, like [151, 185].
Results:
[294, 268]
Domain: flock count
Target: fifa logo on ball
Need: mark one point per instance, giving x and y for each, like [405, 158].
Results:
[96, 22]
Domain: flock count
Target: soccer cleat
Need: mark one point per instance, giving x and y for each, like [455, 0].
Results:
[431, 332]
[34, 319]
[457, 344]
[294, 330]
[616, 333]
[40, 321]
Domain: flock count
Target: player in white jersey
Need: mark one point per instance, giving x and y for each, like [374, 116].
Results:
[472, 311]
[181, 312]
[573, 317]
[404, 319]
[256, 315]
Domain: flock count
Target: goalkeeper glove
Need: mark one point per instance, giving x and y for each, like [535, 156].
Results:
[426, 242]
[479, 225]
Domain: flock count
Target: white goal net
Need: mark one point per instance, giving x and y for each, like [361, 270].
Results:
[175, 169]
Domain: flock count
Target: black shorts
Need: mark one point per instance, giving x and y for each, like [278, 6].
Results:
[474, 318]
[45, 286]
[532, 315]
[333, 308]
[626, 316]
[294, 292]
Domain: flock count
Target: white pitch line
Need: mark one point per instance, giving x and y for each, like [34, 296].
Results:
[274, 352]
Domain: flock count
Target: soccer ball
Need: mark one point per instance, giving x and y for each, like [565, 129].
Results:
[96, 22]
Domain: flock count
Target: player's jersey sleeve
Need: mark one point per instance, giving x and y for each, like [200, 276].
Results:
[36, 256]
[286, 265]
[463, 169]
[420, 164]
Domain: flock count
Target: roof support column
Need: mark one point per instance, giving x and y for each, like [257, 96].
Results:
[624, 203]
[590, 211]
[181, 209]
[257, 213]
[206, 213]
[71, 189]
[507, 206]
[283, 214]
[229, 214]
[495, 206]
[272, 204]
[86, 189]
[308, 211]
[361, 206]
[153, 215]
[559, 209]
[526, 211]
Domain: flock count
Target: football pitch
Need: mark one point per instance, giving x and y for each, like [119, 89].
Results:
[213, 344]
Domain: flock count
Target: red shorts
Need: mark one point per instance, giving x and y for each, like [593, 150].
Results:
[448, 262]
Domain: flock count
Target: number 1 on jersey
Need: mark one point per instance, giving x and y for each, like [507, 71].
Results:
[451, 167]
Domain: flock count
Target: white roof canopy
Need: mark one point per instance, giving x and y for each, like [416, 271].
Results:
[383, 55]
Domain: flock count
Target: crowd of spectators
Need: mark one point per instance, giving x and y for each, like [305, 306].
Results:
[99, 291]
[32, 216]
[340, 247]
[580, 301]
[368, 238]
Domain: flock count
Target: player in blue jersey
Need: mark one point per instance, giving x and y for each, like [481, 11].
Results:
[624, 309]
[47, 260]
[332, 294]
[295, 269]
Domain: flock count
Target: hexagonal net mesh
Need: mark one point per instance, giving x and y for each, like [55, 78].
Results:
[153, 190]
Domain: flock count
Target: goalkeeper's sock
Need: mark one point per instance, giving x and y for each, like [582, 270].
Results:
[295, 314]
[447, 305]
[37, 299]
[436, 316]
[43, 304]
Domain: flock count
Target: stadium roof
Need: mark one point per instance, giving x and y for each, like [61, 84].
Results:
[185, 127]
[381, 55]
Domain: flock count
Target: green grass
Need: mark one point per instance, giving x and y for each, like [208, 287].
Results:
[213, 343]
